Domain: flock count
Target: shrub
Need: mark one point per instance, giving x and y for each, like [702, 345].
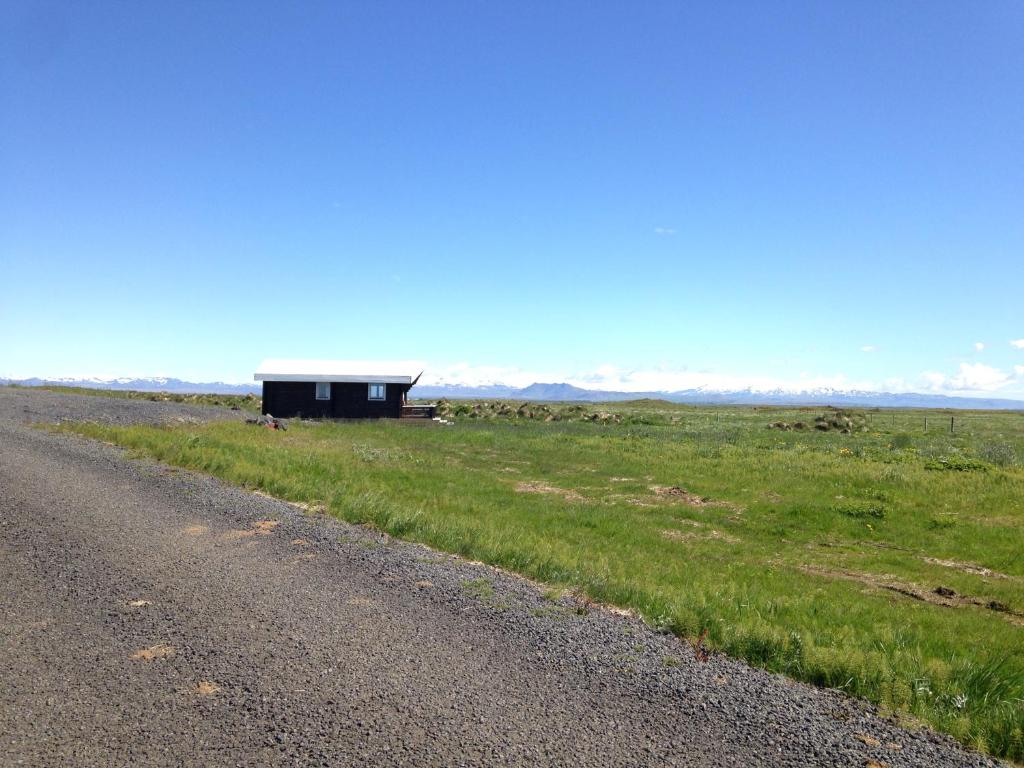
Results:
[957, 464]
[861, 509]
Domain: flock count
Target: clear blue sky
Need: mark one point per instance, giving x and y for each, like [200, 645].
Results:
[739, 190]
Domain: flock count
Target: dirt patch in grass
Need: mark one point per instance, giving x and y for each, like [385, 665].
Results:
[531, 487]
[711, 535]
[944, 596]
[680, 494]
[640, 503]
[677, 493]
[977, 570]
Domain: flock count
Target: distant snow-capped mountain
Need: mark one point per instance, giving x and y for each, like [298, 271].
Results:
[554, 392]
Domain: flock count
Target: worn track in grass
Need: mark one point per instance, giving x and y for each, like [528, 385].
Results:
[156, 617]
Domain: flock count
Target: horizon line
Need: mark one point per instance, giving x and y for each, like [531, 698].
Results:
[640, 393]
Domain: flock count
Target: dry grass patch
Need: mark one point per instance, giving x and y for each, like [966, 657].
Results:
[315, 508]
[235, 534]
[679, 494]
[155, 653]
[943, 596]
[532, 487]
[709, 535]
[977, 570]
[640, 503]
[205, 688]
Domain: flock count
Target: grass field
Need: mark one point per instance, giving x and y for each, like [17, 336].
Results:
[242, 402]
[887, 562]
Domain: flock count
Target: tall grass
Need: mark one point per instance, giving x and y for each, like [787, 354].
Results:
[812, 554]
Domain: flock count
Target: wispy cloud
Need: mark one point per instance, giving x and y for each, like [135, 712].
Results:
[1018, 343]
[979, 346]
[868, 348]
[664, 231]
[972, 377]
[483, 375]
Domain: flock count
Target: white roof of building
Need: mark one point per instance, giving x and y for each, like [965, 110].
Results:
[377, 371]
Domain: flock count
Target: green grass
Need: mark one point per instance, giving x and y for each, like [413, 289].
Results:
[804, 557]
[243, 402]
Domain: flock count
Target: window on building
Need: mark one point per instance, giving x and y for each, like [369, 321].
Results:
[323, 390]
[377, 391]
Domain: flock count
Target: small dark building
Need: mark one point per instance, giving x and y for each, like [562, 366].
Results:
[339, 389]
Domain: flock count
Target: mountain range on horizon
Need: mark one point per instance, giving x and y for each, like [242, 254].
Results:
[552, 392]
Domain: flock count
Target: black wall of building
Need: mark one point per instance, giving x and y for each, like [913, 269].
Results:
[289, 399]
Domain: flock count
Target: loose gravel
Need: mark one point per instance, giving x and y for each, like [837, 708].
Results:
[152, 616]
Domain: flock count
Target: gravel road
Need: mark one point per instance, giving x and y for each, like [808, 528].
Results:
[150, 616]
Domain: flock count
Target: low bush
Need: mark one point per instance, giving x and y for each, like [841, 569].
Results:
[861, 509]
[957, 464]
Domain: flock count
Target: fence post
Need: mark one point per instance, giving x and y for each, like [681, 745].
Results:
[925, 423]
[951, 425]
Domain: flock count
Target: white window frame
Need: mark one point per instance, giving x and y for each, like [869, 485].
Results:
[323, 390]
[383, 392]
